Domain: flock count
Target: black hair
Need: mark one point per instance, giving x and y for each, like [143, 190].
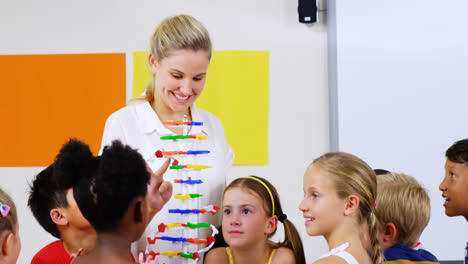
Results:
[381, 171]
[104, 196]
[458, 152]
[49, 188]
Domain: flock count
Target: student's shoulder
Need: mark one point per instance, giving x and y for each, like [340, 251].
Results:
[331, 260]
[215, 256]
[284, 255]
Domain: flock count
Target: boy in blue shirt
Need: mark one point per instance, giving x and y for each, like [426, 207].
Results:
[403, 210]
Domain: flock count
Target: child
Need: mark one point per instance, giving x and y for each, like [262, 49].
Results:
[119, 198]
[339, 198]
[52, 204]
[9, 235]
[403, 211]
[251, 210]
[454, 186]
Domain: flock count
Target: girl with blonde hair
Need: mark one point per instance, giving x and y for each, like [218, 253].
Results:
[339, 198]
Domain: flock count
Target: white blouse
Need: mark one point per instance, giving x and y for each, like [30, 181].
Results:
[138, 126]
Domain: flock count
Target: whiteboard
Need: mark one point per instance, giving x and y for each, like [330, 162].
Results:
[399, 94]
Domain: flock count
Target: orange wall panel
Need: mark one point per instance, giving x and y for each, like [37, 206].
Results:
[46, 99]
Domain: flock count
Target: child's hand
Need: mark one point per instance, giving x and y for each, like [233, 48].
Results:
[141, 259]
[159, 191]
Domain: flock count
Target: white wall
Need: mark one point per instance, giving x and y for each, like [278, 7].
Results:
[401, 85]
[298, 122]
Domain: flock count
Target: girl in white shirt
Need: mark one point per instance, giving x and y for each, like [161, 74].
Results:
[179, 56]
[339, 198]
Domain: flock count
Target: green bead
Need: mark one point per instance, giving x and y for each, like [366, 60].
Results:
[187, 255]
[197, 225]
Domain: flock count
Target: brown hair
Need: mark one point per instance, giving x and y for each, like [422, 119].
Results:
[9, 221]
[176, 33]
[352, 176]
[292, 240]
[404, 202]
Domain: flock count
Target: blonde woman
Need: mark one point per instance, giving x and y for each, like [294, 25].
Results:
[180, 52]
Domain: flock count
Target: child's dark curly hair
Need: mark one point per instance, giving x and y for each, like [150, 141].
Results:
[104, 196]
[49, 188]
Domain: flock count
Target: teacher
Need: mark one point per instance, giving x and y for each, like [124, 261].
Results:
[180, 52]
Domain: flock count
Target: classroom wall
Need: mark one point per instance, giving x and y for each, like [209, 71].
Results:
[398, 79]
[298, 118]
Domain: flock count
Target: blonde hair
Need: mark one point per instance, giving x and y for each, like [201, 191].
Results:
[401, 200]
[176, 33]
[352, 176]
[8, 222]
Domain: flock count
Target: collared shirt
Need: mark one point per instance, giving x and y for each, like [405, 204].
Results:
[138, 126]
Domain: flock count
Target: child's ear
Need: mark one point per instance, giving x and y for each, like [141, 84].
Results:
[59, 216]
[138, 211]
[390, 232]
[7, 243]
[352, 205]
[140, 208]
[271, 225]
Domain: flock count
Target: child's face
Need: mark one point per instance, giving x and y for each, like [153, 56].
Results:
[244, 219]
[321, 206]
[454, 189]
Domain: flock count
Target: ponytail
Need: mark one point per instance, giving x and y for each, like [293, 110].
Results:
[374, 248]
[293, 241]
[74, 161]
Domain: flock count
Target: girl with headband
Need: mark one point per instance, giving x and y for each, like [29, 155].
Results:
[251, 211]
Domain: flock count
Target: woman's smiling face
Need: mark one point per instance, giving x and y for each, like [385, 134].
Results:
[179, 79]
